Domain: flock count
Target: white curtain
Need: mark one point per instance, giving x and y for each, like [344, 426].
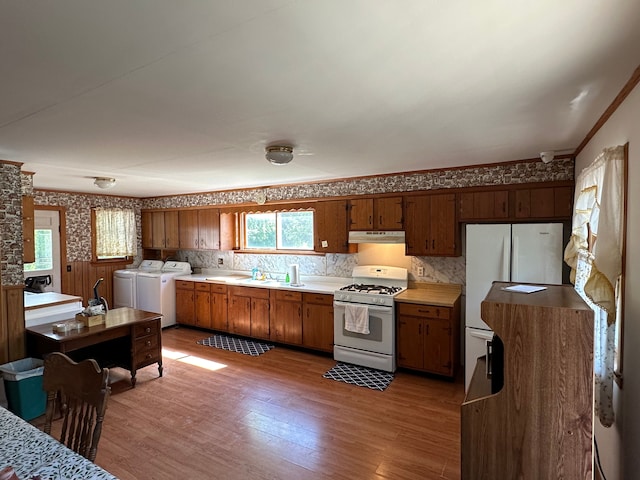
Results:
[594, 254]
[115, 232]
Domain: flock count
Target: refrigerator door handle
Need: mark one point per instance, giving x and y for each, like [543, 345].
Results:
[515, 274]
[505, 259]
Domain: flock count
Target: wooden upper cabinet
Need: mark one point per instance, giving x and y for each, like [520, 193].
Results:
[547, 202]
[28, 229]
[199, 229]
[484, 205]
[331, 227]
[229, 231]
[384, 213]
[361, 214]
[188, 237]
[431, 225]
[388, 213]
[209, 229]
[160, 229]
[171, 229]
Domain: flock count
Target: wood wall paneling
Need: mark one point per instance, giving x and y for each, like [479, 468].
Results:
[12, 332]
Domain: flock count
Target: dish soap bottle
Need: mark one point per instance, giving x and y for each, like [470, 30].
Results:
[287, 279]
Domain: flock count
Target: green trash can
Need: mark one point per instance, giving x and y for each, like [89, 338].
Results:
[23, 387]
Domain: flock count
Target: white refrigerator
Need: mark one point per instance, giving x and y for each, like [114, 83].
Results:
[528, 253]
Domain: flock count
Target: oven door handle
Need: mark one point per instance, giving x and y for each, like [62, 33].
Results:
[372, 308]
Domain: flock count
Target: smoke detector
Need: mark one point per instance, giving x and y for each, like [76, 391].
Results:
[547, 157]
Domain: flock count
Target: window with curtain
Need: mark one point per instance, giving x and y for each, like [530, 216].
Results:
[115, 233]
[595, 254]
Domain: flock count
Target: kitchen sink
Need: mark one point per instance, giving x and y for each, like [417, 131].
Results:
[266, 283]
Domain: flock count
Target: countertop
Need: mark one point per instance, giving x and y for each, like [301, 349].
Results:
[47, 299]
[309, 284]
[437, 294]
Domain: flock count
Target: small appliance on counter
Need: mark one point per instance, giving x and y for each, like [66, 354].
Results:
[37, 283]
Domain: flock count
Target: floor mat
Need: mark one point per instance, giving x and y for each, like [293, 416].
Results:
[233, 344]
[361, 376]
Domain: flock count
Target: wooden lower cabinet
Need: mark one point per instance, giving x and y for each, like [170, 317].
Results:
[203, 305]
[248, 311]
[286, 324]
[317, 321]
[428, 338]
[219, 300]
[185, 302]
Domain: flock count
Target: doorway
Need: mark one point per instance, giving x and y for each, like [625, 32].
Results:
[47, 246]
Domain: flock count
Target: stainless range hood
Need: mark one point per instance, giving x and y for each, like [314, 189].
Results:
[384, 236]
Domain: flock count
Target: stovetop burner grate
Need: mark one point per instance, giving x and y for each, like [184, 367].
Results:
[371, 289]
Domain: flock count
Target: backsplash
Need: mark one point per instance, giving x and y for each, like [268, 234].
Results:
[333, 265]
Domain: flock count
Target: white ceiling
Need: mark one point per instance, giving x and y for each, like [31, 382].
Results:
[174, 97]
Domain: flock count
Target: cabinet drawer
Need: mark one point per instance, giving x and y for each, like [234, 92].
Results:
[144, 329]
[288, 295]
[217, 288]
[424, 310]
[184, 285]
[149, 343]
[319, 298]
[202, 287]
[146, 357]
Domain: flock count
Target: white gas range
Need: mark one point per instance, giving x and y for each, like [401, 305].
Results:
[364, 317]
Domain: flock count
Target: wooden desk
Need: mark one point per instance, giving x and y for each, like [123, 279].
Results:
[129, 338]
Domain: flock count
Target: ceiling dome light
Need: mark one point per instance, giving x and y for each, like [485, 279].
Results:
[104, 182]
[279, 154]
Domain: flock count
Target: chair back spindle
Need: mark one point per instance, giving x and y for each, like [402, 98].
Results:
[79, 391]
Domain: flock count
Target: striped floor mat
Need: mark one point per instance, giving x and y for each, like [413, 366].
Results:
[361, 376]
[233, 344]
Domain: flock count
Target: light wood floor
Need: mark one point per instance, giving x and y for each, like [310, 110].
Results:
[223, 415]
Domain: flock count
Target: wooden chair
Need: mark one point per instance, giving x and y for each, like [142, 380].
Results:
[79, 391]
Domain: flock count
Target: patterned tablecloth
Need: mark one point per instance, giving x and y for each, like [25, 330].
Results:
[32, 452]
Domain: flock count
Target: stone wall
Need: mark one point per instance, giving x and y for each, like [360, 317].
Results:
[437, 269]
[503, 174]
[11, 224]
[78, 216]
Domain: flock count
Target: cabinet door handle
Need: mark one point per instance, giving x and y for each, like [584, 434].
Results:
[148, 343]
[427, 330]
[419, 329]
[433, 244]
[147, 330]
[370, 219]
[380, 219]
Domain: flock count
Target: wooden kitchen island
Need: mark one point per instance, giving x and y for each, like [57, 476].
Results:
[538, 425]
[129, 338]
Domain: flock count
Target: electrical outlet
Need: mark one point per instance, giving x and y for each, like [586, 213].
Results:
[421, 271]
[221, 261]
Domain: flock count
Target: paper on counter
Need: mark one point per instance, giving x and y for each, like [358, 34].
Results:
[524, 288]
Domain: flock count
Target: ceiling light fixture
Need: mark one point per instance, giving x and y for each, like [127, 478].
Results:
[104, 182]
[279, 154]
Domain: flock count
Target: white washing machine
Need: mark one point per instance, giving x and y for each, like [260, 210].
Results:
[124, 282]
[156, 291]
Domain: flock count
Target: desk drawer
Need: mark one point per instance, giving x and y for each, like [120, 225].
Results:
[147, 343]
[148, 328]
[146, 357]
